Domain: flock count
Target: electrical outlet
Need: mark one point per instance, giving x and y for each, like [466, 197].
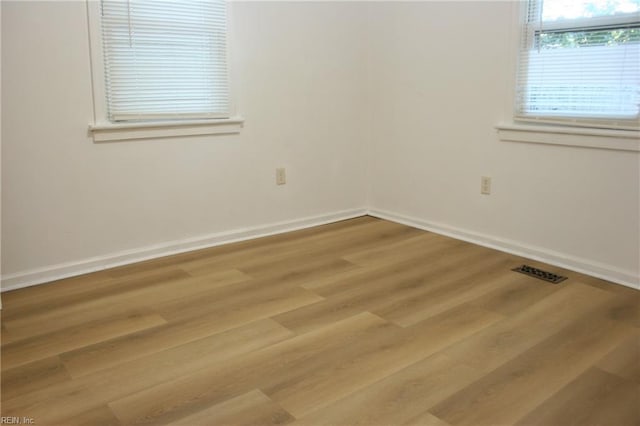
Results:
[485, 185]
[281, 176]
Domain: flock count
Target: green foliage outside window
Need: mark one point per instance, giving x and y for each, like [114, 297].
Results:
[557, 40]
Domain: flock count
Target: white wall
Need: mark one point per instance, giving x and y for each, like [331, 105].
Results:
[442, 78]
[67, 200]
[406, 93]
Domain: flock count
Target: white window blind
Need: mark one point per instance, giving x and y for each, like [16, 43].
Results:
[165, 60]
[579, 61]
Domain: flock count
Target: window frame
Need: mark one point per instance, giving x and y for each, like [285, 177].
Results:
[523, 13]
[510, 129]
[104, 130]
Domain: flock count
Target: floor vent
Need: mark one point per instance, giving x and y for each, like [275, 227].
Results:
[540, 274]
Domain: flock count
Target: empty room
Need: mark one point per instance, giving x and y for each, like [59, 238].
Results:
[332, 213]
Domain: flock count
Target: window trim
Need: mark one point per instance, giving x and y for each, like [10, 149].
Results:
[111, 132]
[104, 130]
[616, 140]
[577, 122]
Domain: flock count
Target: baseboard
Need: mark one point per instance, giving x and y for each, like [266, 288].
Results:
[572, 263]
[56, 272]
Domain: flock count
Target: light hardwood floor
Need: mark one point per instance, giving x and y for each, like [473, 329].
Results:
[359, 322]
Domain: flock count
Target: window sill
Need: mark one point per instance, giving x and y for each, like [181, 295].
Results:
[617, 140]
[110, 132]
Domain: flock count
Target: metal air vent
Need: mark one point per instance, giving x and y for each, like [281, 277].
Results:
[540, 274]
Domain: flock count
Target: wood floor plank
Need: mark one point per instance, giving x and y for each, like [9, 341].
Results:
[624, 309]
[404, 258]
[358, 293]
[297, 271]
[508, 339]
[197, 316]
[520, 293]
[345, 276]
[379, 288]
[309, 255]
[5, 335]
[375, 358]
[478, 277]
[143, 299]
[424, 245]
[426, 419]
[250, 409]
[26, 297]
[33, 376]
[39, 347]
[176, 399]
[188, 335]
[400, 398]
[73, 291]
[98, 416]
[317, 315]
[508, 393]
[593, 398]
[436, 263]
[624, 360]
[244, 303]
[126, 378]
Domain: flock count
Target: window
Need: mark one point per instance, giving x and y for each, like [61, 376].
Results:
[160, 63]
[579, 63]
